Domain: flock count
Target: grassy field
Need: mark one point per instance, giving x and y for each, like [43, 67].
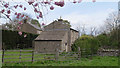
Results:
[25, 57]
[94, 61]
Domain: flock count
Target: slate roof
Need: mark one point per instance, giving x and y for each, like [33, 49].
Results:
[73, 29]
[51, 35]
[36, 27]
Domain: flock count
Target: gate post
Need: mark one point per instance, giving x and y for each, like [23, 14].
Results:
[3, 55]
[57, 55]
[32, 56]
[20, 56]
[79, 53]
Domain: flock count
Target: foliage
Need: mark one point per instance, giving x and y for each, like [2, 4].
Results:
[74, 47]
[110, 37]
[64, 21]
[86, 43]
[38, 7]
[85, 37]
[12, 39]
[115, 37]
[67, 22]
[10, 26]
[91, 44]
[108, 40]
[103, 40]
[35, 22]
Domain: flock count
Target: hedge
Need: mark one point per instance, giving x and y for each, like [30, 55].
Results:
[13, 40]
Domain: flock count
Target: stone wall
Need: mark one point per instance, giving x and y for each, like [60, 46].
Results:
[74, 36]
[47, 46]
[108, 52]
[64, 43]
[58, 25]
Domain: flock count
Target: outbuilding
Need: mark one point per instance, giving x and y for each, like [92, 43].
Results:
[56, 35]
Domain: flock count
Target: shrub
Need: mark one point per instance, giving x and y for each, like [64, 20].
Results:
[108, 41]
[103, 40]
[87, 44]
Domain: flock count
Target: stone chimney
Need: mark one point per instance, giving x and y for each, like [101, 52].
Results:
[60, 19]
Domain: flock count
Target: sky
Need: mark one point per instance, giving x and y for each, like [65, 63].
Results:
[85, 13]
[64, 0]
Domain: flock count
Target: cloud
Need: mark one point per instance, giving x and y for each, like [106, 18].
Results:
[95, 19]
[80, 19]
[109, 10]
[3, 21]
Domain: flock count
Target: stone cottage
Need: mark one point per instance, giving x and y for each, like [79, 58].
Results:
[56, 35]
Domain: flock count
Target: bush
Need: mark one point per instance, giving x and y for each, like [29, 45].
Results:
[103, 40]
[108, 41]
[88, 45]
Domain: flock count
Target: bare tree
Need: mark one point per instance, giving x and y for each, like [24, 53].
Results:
[111, 22]
[93, 31]
[81, 29]
[112, 26]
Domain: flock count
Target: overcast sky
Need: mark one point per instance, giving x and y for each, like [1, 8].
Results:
[87, 13]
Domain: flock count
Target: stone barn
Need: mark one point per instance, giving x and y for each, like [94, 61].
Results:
[50, 40]
[56, 35]
[30, 28]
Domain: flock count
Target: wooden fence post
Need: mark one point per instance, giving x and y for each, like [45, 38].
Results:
[57, 55]
[33, 44]
[20, 56]
[3, 55]
[79, 53]
[32, 56]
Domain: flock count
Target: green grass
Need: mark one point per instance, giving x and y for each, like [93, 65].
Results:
[0, 59]
[40, 56]
[92, 61]
[95, 61]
